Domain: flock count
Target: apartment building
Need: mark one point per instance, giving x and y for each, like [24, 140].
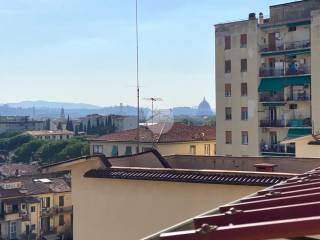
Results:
[267, 80]
[168, 139]
[34, 208]
[51, 135]
[19, 124]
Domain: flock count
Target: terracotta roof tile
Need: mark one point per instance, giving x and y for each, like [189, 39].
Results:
[163, 133]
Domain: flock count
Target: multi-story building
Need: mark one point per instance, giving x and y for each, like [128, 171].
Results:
[168, 139]
[32, 208]
[267, 80]
[51, 135]
[19, 124]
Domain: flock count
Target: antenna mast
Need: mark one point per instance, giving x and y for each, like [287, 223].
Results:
[138, 85]
[152, 99]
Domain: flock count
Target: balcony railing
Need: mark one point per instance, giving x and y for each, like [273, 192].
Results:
[299, 97]
[274, 98]
[278, 149]
[303, 123]
[293, 70]
[286, 46]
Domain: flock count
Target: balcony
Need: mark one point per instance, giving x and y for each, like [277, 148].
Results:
[290, 123]
[286, 46]
[271, 97]
[278, 149]
[299, 97]
[293, 70]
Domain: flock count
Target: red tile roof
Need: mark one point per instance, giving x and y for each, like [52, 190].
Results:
[163, 133]
[287, 210]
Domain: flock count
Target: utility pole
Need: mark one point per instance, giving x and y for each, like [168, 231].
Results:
[152, 99]
[137, 76]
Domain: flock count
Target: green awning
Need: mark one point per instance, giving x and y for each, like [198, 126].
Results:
[271, 85]
[274, 104]
[301, 23]
[298, 52]
[299, 80]
[299, 132]
[278, 83]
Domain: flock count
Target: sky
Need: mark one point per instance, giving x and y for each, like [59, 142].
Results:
[84, 51]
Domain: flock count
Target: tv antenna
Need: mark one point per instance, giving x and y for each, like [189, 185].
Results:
[137, 79]
[153, 99]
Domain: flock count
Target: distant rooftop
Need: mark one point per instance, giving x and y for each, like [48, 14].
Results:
[177, 132]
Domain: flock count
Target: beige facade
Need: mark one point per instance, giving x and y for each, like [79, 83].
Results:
[51, 135]
[306, 146]
[205, 148]
[276, 58]
[142, 207]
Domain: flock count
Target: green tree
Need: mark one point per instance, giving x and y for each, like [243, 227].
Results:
[59, 127]
[26, 151]
[89, 128]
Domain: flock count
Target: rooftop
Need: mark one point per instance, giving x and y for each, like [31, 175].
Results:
[190, 176]
[28, 186]
[49, 132]
[163, 133]
[287, 210]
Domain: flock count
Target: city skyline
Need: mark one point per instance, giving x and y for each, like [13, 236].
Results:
[88, 58]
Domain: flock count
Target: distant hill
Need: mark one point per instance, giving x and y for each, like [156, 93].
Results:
[46, 109]
[47, 104]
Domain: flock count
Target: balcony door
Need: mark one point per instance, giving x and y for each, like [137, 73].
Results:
[273, 138]
[273, 115]
[272, 41]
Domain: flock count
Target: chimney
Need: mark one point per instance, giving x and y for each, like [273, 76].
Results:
[252, 16]
[261, 20]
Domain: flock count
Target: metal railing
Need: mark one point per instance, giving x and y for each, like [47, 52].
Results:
[300, 69]
[299, 97]
[269, 98]
[278, 148]
[285, 46]
[304, 123]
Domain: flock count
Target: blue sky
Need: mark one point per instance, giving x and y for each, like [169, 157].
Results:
[84, 51]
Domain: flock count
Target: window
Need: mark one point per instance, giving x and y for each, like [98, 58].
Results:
[227, 66]
[228, 137]
[146, 149]
[227, 42]
[27, 229]
[244, 89]
[244, 113]
[243, 41]
[128, 150]
[114, 152]
[244, 65]
[193, 150]
[61, 220]
[33, 208]
[244, 138]
[61, 201]
[13, 230]
[207, 149]
[33, 227]
[292, 29]
[47, 202]
[97, 148]
[228, 113]
[23, 206]
[227, 90]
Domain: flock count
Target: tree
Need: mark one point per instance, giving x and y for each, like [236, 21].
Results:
[59, 127]
[89, 128]
[26, 151]
[81, 128]
[69, 125]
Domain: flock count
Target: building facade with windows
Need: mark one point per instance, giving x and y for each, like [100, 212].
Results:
[33, 208]
[168, 140]
[267, 80]
[51, 135]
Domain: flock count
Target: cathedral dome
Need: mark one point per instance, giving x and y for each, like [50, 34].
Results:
[204, 108]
